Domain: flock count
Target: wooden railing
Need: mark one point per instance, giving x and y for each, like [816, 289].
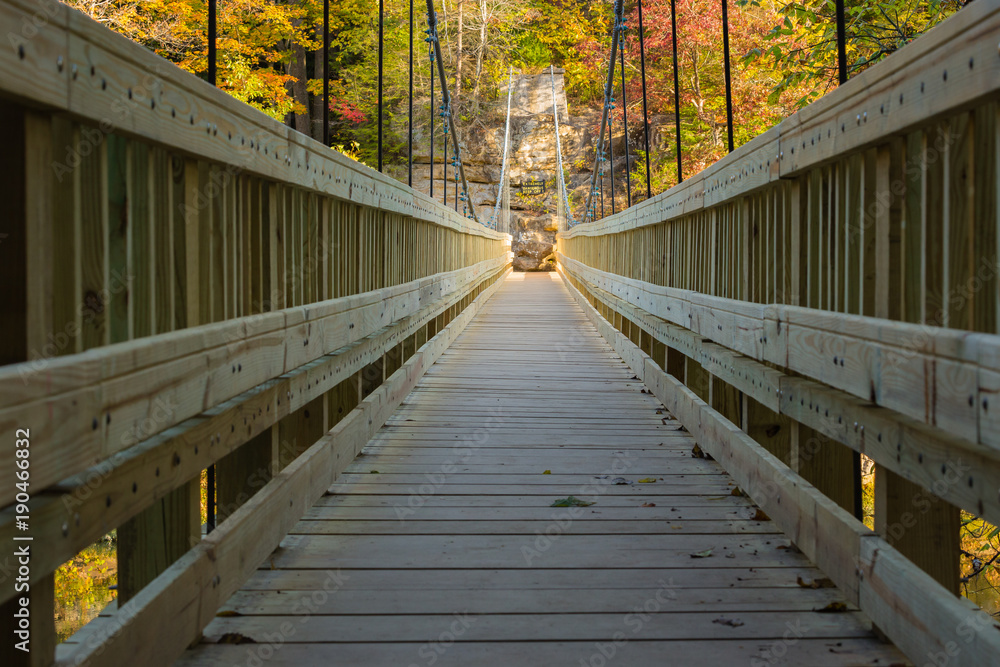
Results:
[832, 286]
[190, 283]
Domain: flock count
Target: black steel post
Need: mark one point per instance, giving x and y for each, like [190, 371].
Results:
[381, 26]
[212, 59]
[729, 79]
[677, 90]
[841, 43]
[212, 30]
[326, 72]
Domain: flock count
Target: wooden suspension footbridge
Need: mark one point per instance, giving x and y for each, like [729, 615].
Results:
[422, 458]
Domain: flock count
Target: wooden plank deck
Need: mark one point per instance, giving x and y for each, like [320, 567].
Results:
[440, 545]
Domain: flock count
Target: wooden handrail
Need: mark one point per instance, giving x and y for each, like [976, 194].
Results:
[203, 286]
[832, 286]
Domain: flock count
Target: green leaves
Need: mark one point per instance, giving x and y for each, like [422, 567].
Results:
[571, 501]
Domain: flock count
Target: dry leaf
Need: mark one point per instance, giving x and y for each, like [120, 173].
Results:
[648, 505]
[732, 622]
[760, 515]
[822, 582]
[647, 480]
[702, 554]
[832, 608]
[236, 638]
[547, 472]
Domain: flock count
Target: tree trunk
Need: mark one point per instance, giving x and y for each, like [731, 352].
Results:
[479, 63]
[319, 71]
[458, 56]
[297, 68]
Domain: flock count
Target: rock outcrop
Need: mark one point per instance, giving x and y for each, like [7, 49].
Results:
[533, 219]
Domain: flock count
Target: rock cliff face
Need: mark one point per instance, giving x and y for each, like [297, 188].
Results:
[533, 220]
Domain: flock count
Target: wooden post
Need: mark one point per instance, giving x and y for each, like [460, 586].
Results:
[827, 464]
[27, 187]
[770, 429]
[923, 527]
[372, 376]
[697, 379]
[156, 537]
[241, 474]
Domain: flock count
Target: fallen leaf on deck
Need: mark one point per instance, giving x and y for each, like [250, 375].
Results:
[760, 515]
[730, 555]
[227, 613]
[681, 428]
[648, 505]
[702, 554]
[373, 472]
[647, 480]
[571, 501]
[621, 481]
[732, 622]
[235, 638]
[832, 608]
[547, 472]
[737, 491]
[822, 582]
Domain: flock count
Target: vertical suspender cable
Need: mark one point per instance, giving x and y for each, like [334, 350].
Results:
[446, 103]
[602, 195]
[729, 79]
[628, 169]
[677, 90]
[560, 181]
[212, 57]
[433, 111]
[409, 122]
[611, 150]
[645, 112]
[859, 510]
[605, 118]
[381, 26]
[444, 160]
[326, 73]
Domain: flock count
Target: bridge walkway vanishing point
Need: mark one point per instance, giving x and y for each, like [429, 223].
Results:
[440, 545]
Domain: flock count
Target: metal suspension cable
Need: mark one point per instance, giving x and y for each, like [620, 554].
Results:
[570, 220]
[430, 52]
[645, 113]
[628, 170]
[588, 213]
[409, 123]
[381, 45]
[446, 104]
[503, 164]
